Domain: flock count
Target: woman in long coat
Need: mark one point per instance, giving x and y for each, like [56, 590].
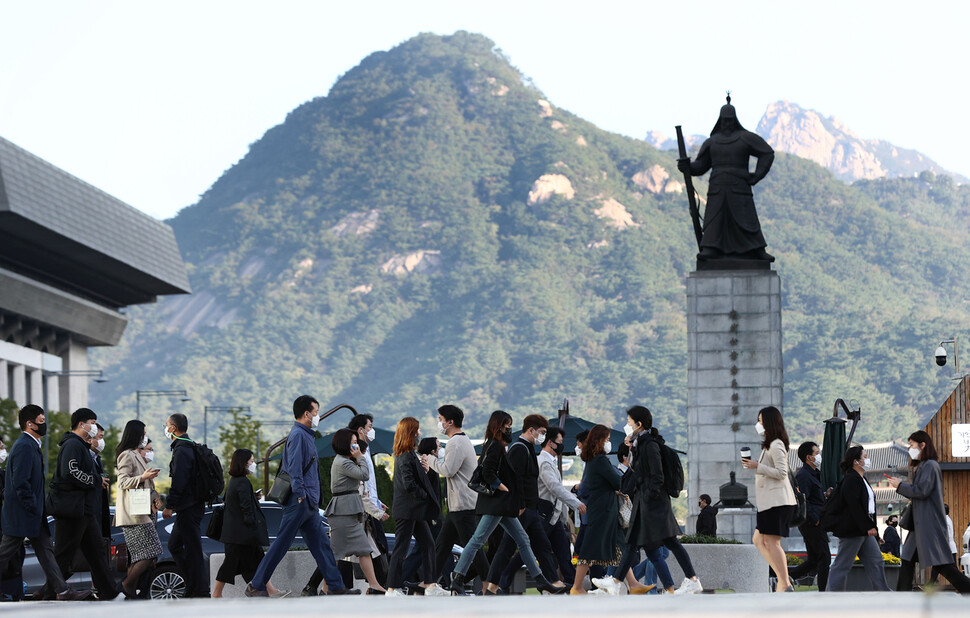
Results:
[926, 543]
[601, 482]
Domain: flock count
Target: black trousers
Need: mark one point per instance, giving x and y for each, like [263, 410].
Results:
[185, 543]
[457, 529]
[818, 556]
[539, 543]
[949, 571]
[71, 535]
[561, 551]
[421, 531]
[11, 548]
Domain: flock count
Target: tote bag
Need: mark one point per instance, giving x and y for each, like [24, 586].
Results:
[139, 501]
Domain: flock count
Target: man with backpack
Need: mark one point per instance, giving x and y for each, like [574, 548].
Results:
[185, 498]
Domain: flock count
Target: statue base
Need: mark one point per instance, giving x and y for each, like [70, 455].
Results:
[734, 369]
[728, 263]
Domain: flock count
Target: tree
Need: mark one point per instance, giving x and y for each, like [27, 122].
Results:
[239, 432]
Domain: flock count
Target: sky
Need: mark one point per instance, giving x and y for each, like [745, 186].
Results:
[152, 102]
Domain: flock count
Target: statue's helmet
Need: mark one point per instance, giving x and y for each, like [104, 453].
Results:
[728, 115]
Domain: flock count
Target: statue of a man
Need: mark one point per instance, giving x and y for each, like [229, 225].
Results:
[731, 227]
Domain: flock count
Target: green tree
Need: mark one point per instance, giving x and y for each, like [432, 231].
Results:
[236, 432]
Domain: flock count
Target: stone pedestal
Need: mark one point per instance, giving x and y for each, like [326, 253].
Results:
[734, 369]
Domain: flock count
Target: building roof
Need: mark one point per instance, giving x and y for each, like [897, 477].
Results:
[60, 230]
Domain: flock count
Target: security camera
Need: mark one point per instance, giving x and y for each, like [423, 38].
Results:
[941, 356]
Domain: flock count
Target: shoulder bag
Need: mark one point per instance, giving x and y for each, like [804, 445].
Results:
[800, 514]
[281, 489]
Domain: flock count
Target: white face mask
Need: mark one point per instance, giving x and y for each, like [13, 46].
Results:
[914, 453]
[3, 455]
[579, 450]
[252, 467]
[759, 428]
[314, 421]
[441, 453]
[92, 430]
[541, 438]
[169, 433]
[150, 455]
[371, 434]
[99, 445]
[144, 442]
[818, 461]
[866, 463]
[441, 427]
[608, 447]
[628, 430]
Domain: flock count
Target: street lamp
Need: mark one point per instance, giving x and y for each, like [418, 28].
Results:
[181, 394]
[205, 417]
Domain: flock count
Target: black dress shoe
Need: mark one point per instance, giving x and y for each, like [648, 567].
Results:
[374, 591]
[342, 591]
[309, 591]
[543, 585]
[457, 586]
[74, 595]
[252, 592]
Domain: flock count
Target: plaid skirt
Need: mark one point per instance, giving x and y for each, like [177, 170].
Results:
[142, 541]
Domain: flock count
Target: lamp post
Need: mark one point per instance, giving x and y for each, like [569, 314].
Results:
[96, 374]
[181, 394]
[941, 356]
[205, 417]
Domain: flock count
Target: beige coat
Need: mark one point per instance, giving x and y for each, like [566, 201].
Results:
[130, 467]
[771, 485]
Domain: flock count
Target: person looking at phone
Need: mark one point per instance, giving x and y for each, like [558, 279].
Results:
[131, 466]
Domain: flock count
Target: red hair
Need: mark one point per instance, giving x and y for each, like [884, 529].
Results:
[593, 444]
[406, 435]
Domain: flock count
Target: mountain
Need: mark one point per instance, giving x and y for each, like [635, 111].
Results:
[434, 230]
[787, 127]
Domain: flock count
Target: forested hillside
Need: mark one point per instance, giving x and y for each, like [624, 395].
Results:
[432, 230]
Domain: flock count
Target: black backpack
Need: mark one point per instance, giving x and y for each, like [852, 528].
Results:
[208, 468]
[673, 471]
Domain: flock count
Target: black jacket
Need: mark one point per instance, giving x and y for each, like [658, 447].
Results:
[414, 498]
[707, 521]
[102, 511]
[652, 519]
[496, 470]
[854, 519]
[523, 460]
[75, 479]
[243, 522]
[890, 538]
[184, 491]
[809, 482]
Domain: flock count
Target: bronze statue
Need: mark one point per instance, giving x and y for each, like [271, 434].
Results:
[731, 233]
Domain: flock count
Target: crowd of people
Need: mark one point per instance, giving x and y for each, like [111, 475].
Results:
[507, 508]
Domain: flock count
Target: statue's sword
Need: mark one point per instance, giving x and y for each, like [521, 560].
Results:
[695, 214]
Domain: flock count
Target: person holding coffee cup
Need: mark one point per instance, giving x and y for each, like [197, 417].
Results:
[773, 493]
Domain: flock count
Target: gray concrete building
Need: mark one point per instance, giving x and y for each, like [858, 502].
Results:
[71, 259]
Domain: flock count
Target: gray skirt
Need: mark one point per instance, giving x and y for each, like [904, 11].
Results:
[348, 537]
[142, 541]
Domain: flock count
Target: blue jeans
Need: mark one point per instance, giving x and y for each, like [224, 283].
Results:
[513, 528]
[302, 517]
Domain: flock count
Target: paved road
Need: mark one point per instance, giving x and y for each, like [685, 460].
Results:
[816, 604]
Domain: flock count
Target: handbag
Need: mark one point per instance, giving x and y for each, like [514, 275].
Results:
[906, 518]
[626, 510]
[800, 514]
[214, 529]
[139, 501]
[476, 484]
[281, 489]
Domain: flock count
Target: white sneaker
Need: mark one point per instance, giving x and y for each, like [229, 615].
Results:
[689, 586]
[394, 592]
[598, 591]
[436, 591]
[608, 585]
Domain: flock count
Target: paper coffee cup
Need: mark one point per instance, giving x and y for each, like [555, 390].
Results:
[745, 452]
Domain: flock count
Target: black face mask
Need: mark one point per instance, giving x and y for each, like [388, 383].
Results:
[507, 435]
[555, 447]
[891, 523]
[41, 429]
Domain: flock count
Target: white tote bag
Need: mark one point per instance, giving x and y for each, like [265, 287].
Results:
[139, 501]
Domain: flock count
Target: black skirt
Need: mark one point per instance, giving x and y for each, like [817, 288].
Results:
[240, 560]
[776, 520]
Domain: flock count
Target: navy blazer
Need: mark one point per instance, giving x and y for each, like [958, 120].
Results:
[23, 498]
[809, 482]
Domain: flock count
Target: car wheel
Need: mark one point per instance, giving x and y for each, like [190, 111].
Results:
[167, 583]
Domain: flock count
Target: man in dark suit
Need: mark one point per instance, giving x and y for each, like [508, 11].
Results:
[707, 518]
[890, 538]
[23, 504]
[75, 501]
[818, 556]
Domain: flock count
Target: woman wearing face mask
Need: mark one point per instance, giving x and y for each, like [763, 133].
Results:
[773, 493]
[243, 528]
[927, 541]
[856, 525]
[346, 512]
[652, 522]
[139, 530]
[414, 508]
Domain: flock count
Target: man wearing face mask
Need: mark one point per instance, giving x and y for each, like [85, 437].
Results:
[456, 464]
[184, 498]
[75, 502]
[818, 557]
[522, 459]
[23, 505]
[890, 537]
[554, 500]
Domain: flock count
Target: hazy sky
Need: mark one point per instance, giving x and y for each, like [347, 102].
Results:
[151, 102]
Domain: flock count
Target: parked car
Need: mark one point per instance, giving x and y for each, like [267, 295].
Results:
[167, 581]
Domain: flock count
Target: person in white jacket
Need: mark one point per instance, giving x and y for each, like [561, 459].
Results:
[455, 463]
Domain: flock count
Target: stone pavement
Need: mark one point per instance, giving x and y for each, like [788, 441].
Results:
[815, 604]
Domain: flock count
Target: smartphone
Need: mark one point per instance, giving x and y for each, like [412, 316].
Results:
[889, 477]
